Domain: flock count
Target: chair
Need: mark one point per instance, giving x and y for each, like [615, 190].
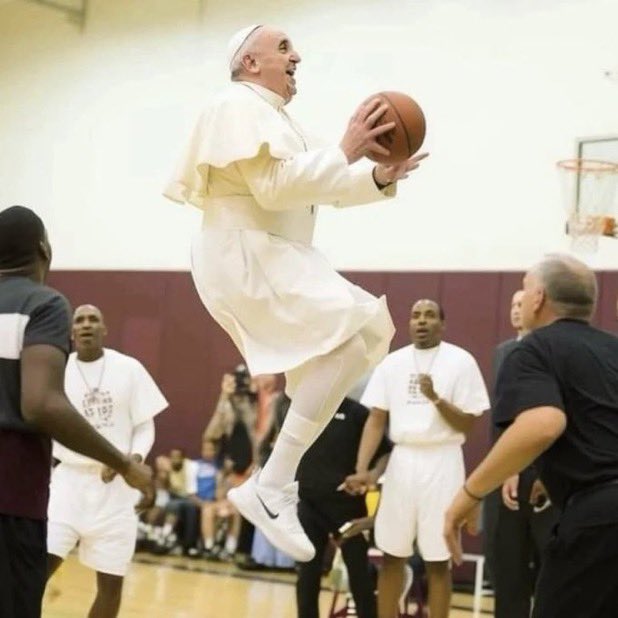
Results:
[479, 591]
[411, 603]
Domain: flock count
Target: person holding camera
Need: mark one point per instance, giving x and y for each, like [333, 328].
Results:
[233, 423]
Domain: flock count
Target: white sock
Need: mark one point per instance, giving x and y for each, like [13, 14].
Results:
[230, 545]
[321, 386]
[293, 440]
[208, 544]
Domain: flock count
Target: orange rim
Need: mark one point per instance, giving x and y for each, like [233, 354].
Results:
[588, 165]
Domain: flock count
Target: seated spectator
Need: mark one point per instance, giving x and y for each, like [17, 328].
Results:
[182, 512]
[151, 522]
[264, 555]
[212, 486]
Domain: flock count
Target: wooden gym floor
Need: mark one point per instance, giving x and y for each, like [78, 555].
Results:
[174, 587]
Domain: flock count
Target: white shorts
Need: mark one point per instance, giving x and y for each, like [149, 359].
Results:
[99, 516]
[419, 484]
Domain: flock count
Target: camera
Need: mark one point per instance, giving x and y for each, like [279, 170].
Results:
[242, 380]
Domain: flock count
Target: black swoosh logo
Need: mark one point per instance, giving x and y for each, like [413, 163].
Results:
[268, 511]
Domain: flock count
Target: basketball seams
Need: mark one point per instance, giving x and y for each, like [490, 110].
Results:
[408, 119]
[401, 122]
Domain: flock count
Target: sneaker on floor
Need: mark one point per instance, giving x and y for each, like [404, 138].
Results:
[192, 552]
[247, 563]
[225, 556]
[210, 554]
[274, 512]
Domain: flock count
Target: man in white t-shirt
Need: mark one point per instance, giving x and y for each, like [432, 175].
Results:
[89, 503]
[429, 394]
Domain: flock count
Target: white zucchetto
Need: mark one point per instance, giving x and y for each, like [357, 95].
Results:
[238, 41]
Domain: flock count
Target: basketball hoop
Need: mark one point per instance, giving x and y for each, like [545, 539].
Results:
[589, 196]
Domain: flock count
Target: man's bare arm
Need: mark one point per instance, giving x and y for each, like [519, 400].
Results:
[454, 416]
[532, 433]
[372, 435]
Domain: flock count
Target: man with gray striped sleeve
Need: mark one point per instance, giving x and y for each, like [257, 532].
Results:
[34, 344]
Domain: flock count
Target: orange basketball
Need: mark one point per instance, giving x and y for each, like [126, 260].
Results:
[409, 132]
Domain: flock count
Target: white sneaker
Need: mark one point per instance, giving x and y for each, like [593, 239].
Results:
[274, 512]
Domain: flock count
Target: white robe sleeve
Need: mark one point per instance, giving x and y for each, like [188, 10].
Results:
[240, 127]
[320, 176]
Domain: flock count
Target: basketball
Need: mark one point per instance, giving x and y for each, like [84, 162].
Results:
[409, 132]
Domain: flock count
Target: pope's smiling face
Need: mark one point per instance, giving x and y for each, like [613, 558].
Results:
[273, 60]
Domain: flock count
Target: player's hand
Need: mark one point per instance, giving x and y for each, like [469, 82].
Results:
[388, 174]
[109, 474]
[146, 500]
[139, 476]
[509, 493]
[425, 383]
[356, 484]
[358, 525]
[539, 498]
[360, 138]
[464, 511]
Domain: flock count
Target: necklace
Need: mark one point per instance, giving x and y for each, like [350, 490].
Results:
[431, 360]
[91, 391]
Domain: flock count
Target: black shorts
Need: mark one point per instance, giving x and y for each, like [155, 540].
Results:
[579, 573]
[23, 566]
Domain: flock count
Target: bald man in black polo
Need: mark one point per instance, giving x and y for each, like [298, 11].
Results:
[557, 394]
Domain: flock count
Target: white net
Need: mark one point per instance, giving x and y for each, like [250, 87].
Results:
[589, 189]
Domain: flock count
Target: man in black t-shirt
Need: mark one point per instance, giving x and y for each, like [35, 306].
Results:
[34, 344]
[323, 509]
[557, 392]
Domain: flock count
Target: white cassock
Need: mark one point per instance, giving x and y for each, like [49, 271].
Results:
[249, 169]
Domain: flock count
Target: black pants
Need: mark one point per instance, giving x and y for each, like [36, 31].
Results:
[321, 514]
[23, 566]
[579, 574]
[245, 537]
[514, 545]
[188, 521]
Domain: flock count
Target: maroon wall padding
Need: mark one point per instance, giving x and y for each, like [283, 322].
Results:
[158, 318]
